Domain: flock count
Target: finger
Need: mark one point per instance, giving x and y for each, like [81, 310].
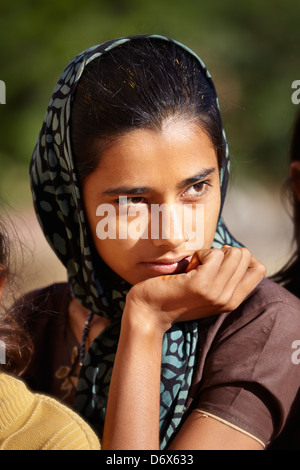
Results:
[254, 274]
[225, 268]
[210, 261]
[194, 263]
[202, 279]
[235, 265]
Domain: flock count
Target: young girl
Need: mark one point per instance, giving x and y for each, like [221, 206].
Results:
[134, 126]
[29, 421]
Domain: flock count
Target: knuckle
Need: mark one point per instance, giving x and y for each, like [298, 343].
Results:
[259, 267]
[235, 252]
[224, 300]
[206, 253]
[262, 269]
[212, 299]
[246, 254]
[232, 305]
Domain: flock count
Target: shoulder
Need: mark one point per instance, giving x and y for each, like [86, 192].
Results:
[69, 431]
[38, 422]
[268, 292]
[268, 304]
[263, 327]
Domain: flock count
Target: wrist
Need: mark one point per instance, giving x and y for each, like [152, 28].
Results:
[143, 319]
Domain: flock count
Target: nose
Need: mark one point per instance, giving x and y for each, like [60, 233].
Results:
[167, 225]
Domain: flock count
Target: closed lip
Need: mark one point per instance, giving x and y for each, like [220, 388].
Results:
[168, 265]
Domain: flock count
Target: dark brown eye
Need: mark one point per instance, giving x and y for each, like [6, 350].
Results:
[196, 190]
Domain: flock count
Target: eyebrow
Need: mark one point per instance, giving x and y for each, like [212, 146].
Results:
[194, 179]
[136, 190]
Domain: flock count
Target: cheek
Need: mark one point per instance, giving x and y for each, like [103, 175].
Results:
[211, 217]
[120, 256]
[117, 254]
[113, 253]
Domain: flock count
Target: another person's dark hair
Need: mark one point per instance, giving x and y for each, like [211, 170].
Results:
[289, 275]
[138, 85]
[4, 256]
[18, 345]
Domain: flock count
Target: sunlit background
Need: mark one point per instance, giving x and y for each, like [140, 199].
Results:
[252, 51]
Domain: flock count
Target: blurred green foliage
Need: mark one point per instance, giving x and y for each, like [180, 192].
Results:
[251, 49]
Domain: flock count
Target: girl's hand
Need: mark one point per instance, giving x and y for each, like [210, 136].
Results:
[216, 281]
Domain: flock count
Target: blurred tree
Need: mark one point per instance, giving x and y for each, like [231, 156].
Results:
[251, 49]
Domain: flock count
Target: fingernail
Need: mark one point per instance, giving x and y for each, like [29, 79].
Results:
[193, 263]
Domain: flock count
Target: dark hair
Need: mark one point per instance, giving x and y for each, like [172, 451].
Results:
[18, 345]
[137, 85]
[289, 275]
[4, 255]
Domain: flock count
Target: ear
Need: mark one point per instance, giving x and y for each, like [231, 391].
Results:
[295, 177]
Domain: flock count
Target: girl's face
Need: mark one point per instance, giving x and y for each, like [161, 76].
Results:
[153, 200]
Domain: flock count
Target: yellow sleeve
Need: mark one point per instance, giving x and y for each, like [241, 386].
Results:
[30, 421]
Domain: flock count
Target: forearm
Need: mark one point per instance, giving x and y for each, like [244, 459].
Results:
[132, 416]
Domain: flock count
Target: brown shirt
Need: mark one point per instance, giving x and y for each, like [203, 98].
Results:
[245, 376]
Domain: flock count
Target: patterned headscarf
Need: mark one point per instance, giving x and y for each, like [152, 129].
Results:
[59, 207]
